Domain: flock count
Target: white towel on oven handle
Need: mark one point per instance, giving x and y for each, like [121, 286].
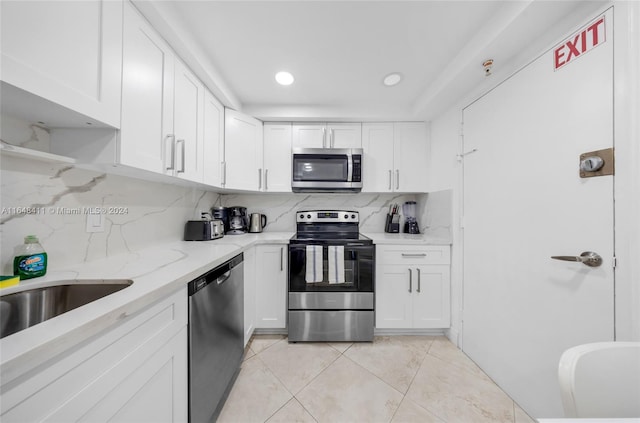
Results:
[314, 271]
[336, 263]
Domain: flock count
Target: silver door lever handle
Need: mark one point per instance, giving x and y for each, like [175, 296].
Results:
[588, 258]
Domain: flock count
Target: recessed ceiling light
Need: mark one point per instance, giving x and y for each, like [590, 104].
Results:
[284, 78]
[392, 79]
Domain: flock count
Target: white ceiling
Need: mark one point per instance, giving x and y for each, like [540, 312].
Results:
[339, 51]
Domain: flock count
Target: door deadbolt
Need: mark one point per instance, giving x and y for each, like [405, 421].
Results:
[591, 164]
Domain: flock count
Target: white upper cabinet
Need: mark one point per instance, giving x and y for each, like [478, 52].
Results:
[188, 124]
[147, 95]
[327, 135]
[377, 163]
[213, 140]
[277, 157]
[395, 157]
[69, 53]
[410, 156]
[242, 152]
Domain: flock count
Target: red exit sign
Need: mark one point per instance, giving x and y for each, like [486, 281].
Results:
[590, 36]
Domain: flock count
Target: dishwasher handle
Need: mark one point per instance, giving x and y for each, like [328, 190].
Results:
[222, 279]
[219, 275]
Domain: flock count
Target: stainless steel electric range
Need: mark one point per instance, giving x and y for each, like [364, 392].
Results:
[331, 278]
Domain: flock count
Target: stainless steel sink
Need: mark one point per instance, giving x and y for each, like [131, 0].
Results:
[24, 309]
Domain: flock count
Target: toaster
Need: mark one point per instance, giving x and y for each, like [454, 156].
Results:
[203, 230]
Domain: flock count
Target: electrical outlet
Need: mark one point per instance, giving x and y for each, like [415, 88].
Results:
[95, 222]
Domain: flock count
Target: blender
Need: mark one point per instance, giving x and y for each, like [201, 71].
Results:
[410, 222]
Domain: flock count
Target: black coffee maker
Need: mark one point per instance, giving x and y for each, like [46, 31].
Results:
[221, 213]
[238, 220]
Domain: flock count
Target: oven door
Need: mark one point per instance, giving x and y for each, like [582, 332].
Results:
[358, 270]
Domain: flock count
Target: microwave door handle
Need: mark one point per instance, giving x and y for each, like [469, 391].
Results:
[349, 168]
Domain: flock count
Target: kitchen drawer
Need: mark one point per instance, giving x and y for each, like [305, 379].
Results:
[413, 254]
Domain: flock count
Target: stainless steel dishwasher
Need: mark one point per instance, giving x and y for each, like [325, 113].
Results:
[216, 338]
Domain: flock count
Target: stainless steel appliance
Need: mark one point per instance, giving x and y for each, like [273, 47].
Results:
[257, 222]
[331, 278]
[327, 170]
[410, 221]
[238, 220]
[216, 337]
[203, 230]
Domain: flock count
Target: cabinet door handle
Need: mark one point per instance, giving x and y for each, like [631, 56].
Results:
[260, 178]
[331, 139]
[324, 137]
[414, 255]
[397, 179]
[281, 259]
[418, 290]
[182, 157]
[266, 174]
[390, 179]
[224, 172]
[410, 281]
[172, 149]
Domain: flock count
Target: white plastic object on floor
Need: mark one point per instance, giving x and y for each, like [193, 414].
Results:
[601, 380]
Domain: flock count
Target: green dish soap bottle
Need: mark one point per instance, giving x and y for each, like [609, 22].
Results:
[30, 260]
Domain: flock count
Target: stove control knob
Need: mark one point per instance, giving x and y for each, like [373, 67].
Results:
[308, 216]
[302, 216]
[353, 216]
[346, 216]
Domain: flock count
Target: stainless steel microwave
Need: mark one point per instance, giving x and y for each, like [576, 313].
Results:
[327, 170]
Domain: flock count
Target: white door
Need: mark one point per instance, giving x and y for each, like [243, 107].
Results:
[524, 202]
[344, 135]
[377, 168]
[188, 123]
[313, 135]
[242, 151]
[410, 155]
[277, 157]
[213, 140]
[147, 108]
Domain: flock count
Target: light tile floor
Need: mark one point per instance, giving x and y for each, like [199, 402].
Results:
[393, 379]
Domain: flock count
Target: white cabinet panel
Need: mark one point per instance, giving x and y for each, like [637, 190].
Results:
[277, 157]
[309, 135]
[271, 286]
[410, 154]
[188, 123]
[140, 361]
[393, 300]
[147, 95]
[243, 151]
[377, 168]
[327, 135]
[67, 52]
[213, 142]
[395, 157]
[249, 293]
[413, 287]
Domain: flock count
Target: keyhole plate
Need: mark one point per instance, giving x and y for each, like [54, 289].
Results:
[608, 169]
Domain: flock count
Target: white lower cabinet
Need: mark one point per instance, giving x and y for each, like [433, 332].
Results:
[412, 287]
[271, 286]
[135, 371]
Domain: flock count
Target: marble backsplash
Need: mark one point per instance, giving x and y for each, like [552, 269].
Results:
[141, 213]
[137, 213]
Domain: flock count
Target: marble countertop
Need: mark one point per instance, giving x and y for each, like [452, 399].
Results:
[156, 272]
[402, 238]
